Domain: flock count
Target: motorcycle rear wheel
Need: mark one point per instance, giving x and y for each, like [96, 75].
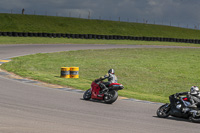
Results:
[163, 111]
[195, 120]
[87, 94]
[111, 97]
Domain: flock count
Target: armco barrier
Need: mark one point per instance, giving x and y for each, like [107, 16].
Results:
[94, 36]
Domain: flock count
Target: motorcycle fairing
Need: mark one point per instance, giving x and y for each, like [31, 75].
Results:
[185, 101]
[177, 112]
[116, 86]
[95, 91]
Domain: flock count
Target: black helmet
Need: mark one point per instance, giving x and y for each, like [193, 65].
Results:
[111, 71]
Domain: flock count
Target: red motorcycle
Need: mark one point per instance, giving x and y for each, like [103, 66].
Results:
[109, 96]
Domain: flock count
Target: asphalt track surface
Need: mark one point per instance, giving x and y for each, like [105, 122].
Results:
[28, 108]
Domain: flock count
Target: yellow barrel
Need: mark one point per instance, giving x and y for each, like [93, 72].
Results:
[74, 72]
[65, 72]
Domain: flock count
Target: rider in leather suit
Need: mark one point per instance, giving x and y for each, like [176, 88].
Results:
[193, 96]
[111, 79]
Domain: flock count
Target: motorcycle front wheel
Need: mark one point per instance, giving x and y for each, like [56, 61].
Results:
[163, 111]
[111, 97]
[87, 94]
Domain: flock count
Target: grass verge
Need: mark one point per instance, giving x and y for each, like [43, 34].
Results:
[52, 24]
[147, 74]
[40, 40]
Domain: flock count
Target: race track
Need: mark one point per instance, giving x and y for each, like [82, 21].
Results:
[29, 108]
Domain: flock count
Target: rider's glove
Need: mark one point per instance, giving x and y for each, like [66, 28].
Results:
[97, 80]
[177, 94]
[106, 76]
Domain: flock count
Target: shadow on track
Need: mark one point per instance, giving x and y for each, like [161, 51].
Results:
[176, 119]
[95, 100]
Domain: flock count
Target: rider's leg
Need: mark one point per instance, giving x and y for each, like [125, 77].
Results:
[190, 98]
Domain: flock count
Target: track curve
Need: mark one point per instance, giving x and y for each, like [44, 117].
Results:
[29, 108]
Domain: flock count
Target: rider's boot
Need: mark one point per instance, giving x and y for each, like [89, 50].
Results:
[185, 110]
[103, 88]
[192, 106]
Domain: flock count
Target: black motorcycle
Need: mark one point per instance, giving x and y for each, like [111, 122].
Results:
[179, 107]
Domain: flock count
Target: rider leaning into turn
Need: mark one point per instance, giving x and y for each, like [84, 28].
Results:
[111, 79]
[193, 96]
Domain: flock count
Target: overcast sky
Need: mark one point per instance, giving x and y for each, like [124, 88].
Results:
[175, 12]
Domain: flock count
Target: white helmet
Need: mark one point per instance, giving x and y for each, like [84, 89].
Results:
[194, 90]
[111, 71]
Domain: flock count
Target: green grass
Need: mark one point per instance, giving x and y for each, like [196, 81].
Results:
[52, 24]
[147, 74]
[40, 40]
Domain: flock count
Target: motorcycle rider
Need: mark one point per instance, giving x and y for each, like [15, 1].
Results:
[193, 96]
[111, 79]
